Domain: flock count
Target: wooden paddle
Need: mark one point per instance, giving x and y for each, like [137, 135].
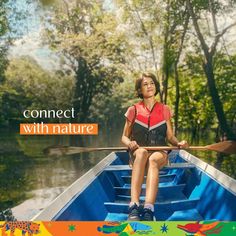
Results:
[228, 147]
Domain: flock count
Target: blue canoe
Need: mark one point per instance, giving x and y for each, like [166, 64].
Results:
[189, 189]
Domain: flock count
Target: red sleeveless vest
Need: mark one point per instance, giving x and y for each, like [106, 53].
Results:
[149, 127]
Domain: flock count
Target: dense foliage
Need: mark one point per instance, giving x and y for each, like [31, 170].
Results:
[28, 86]
[106, 47]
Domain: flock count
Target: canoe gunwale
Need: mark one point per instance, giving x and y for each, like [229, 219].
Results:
[224, 180]
[76, 188]
[169, 166]
[50, 212]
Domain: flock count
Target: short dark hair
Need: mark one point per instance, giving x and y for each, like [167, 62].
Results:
[138, 83]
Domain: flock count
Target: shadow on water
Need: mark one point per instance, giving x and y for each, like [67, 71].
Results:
[29, 180]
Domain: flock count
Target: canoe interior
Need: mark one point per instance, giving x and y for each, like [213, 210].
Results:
[186, 193]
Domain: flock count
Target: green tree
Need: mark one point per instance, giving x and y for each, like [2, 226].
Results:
[175, 27]
[4, 27]
[28, 86]
[141, 21]
[157, 31]
[86, 36]
[213, 8]
[196, 108]
[109, 110]
[225, 76]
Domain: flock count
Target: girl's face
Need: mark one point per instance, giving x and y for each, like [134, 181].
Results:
[148, 88]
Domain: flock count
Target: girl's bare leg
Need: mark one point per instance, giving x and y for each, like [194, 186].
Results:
[141, 156]
[155, 162]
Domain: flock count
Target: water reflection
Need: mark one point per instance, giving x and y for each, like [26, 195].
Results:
[10, 171]
[29, 180]
[224, 162]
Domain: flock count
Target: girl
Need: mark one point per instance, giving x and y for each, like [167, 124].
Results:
[147, 124]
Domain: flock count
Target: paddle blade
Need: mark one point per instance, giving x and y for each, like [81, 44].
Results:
[228, 147]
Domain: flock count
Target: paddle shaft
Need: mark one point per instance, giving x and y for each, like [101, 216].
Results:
[159, 148]
[228, 147]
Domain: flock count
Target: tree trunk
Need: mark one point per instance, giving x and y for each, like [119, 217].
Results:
[165, 66]
[208, 69]
[83, 91]
[177, 90]
[165, 56]
[177, 95]
[165, 82]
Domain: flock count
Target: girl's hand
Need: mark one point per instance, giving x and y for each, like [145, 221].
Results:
[133, 146]
[183, 144]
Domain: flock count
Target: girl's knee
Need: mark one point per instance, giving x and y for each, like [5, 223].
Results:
[141, 156]
[141, 152]
[158, 160]
[153, 162]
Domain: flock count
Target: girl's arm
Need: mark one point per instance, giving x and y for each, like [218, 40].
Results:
[125, 139]
[171, 137]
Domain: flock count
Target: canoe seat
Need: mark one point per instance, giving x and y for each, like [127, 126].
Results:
[163, 211]
[162, 190]
[161, 198]
[191, 215]
[169, 206]
[162, 178]
[172, 166]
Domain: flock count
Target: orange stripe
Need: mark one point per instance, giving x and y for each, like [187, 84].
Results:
[72, 228]
[58, 129]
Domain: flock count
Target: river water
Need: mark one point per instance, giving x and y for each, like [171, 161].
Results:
[30, 180]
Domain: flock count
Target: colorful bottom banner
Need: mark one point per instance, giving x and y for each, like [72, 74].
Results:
[63, 228]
